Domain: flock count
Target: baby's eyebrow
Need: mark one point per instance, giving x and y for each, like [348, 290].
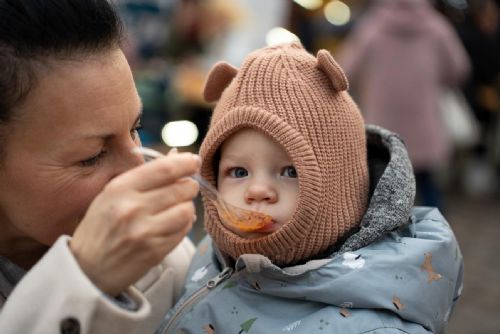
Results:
[232, 156]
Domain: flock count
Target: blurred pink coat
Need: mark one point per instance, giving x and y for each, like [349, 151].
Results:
[397, 59]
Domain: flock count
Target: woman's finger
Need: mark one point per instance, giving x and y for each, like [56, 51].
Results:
[175, 219]
[160, 172]
[162, 198]
[164, 245]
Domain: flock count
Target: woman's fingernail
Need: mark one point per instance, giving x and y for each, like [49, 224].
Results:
[173, 150]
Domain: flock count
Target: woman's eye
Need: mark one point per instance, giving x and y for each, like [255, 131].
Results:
[289, 171]
[238, 172]
[135, 130]
[94, 160]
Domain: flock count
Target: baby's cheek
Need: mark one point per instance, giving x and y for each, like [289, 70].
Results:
[291, 207]
[232, 192]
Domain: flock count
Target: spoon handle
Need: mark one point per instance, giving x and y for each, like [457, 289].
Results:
[204, 183]
[153, 154]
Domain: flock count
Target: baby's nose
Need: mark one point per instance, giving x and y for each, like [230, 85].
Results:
[259, 192]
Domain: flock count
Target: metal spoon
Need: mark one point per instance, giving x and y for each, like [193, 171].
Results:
[241, 219]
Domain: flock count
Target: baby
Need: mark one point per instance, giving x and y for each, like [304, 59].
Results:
[347, 252]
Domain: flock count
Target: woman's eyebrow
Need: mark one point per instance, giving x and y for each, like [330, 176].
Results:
[108, 136]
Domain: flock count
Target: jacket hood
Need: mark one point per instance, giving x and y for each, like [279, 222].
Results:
[399, 261]
[392, 188]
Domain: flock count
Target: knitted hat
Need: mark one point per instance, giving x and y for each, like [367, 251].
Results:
[299, 101]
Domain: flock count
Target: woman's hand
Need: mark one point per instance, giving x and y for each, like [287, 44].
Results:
[138, 218]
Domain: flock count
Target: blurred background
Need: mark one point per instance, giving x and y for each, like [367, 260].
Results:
[429, 70]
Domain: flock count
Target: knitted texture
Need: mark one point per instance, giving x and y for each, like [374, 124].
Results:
[299, 101]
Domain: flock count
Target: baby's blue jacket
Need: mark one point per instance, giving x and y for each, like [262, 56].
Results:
[400, 273]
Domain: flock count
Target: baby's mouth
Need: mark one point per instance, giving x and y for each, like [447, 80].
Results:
[271, 227]
[250, 221]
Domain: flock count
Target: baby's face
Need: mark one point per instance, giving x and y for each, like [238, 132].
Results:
[255, 173]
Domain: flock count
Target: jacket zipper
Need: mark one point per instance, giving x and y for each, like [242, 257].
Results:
[212, 283]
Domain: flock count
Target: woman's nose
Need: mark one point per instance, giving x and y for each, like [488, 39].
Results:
[261, 192]
[127, 160]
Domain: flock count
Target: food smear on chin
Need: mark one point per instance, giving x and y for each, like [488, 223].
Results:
[248, 221]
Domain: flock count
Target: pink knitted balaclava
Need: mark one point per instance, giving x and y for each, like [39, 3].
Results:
[299, 101]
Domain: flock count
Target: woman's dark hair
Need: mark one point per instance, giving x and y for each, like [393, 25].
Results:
[34, 32]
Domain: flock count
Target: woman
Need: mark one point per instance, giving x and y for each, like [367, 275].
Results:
[69, 114]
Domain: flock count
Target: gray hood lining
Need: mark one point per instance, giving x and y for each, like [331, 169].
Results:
[392, 188]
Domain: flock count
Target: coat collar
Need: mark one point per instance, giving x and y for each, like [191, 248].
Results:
[10, 275]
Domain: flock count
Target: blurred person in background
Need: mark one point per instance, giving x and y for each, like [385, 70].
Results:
[81, 218]
[481, 37]
[398, 58]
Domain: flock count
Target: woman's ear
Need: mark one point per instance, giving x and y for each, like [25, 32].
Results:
[329, 66]
[219, 77]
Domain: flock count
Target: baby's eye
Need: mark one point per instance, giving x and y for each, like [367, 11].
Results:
[238, 172]
[289, 171]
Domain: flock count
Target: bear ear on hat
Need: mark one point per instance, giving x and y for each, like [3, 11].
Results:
[329, 66]
[219, 77]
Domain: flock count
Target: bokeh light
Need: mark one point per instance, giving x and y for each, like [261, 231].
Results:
[179, 133]
[337, 13]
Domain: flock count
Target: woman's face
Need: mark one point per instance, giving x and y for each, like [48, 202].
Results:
[72, 135]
